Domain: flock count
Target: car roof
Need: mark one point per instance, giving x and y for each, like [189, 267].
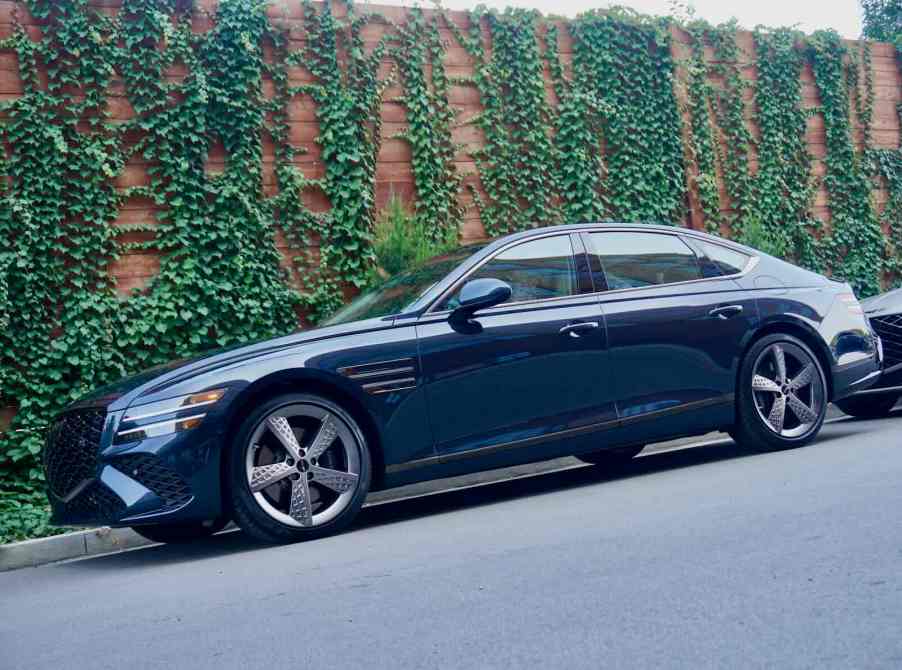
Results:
[606, 225]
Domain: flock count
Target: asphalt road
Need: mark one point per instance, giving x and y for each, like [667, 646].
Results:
[704, 557]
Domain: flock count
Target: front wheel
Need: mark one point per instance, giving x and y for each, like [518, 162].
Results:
[180, 533]
[782, 398]
[870, 406]
[299, 469]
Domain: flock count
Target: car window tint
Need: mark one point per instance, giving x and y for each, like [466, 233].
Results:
[728, 261]
[632, 260]
[535, 270]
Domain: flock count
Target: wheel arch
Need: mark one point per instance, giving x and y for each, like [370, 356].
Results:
[800, 330]
[301, 380]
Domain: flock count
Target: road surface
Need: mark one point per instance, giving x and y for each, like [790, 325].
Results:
[704, 557]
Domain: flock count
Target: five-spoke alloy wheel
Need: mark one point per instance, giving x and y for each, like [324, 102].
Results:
[300, 469]
[789, 393]
[782, 395]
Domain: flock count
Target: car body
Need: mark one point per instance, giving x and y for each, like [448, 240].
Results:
[884, 313]
[600, 349]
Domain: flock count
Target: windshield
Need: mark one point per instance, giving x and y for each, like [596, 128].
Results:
[400, 291]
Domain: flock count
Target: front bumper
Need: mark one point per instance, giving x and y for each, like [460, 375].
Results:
[171, 478]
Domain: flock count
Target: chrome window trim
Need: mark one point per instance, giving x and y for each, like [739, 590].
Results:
[431, 311]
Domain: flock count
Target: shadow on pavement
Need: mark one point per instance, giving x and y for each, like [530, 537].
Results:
[232, 542]
[531, 485]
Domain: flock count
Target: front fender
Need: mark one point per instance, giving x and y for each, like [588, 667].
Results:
[357, 367]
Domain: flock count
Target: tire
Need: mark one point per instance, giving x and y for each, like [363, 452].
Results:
[871, 406]
[180, 533]
[611, 458]
[298, 469]
[801, 390]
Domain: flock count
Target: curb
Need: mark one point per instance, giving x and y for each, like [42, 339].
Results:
[91, 542]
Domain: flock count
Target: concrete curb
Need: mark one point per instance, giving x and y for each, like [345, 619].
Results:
[91, 542]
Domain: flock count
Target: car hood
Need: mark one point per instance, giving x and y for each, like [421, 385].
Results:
[885, 303]
[121, 393]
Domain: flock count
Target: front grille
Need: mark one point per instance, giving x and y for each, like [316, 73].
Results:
[70, 454]
[889, 328]
[95, 504]
[152, 474]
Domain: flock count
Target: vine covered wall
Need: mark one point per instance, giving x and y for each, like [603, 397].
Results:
[178, 175]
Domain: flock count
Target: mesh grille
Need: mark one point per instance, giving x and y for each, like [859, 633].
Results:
[70, 454]
[95, 504]
[889, 328]
[152, 474]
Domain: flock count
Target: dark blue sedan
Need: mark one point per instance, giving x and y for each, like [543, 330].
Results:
[591, 340]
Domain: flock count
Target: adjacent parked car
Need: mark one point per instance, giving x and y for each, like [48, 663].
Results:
[591, 340]
[885, 314]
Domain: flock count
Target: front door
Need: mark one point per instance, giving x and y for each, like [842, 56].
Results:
[535, 368]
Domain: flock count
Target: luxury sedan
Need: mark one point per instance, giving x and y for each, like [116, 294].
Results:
[589, 340]
[885, 314]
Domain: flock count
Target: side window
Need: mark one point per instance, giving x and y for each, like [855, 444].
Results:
[728, 261]
[632, 259]
[535, 270]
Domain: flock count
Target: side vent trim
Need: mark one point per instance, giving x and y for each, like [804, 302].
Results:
[385, 376]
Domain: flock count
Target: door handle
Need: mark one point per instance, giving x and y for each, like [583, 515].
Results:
[574, 329]
[726, 311]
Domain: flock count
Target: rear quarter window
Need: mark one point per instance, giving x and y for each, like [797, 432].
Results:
[728, 261]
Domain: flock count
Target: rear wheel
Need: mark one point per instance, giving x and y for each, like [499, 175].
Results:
[611, 458]
[180, 533]
[870, 406]
[782, 397]
[299, 469]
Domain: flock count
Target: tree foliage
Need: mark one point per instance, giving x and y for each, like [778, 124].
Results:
[883, 21]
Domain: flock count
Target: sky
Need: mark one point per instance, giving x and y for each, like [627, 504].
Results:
[808, 15]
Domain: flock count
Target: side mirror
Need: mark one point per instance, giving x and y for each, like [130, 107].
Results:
[479, 294]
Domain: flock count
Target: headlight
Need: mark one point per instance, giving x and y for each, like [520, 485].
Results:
[166, 416]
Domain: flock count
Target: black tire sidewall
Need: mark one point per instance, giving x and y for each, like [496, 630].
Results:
[750, 430]
[247, 513]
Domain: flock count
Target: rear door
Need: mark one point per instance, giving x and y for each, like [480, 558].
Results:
[676, 324]
[535, 368]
